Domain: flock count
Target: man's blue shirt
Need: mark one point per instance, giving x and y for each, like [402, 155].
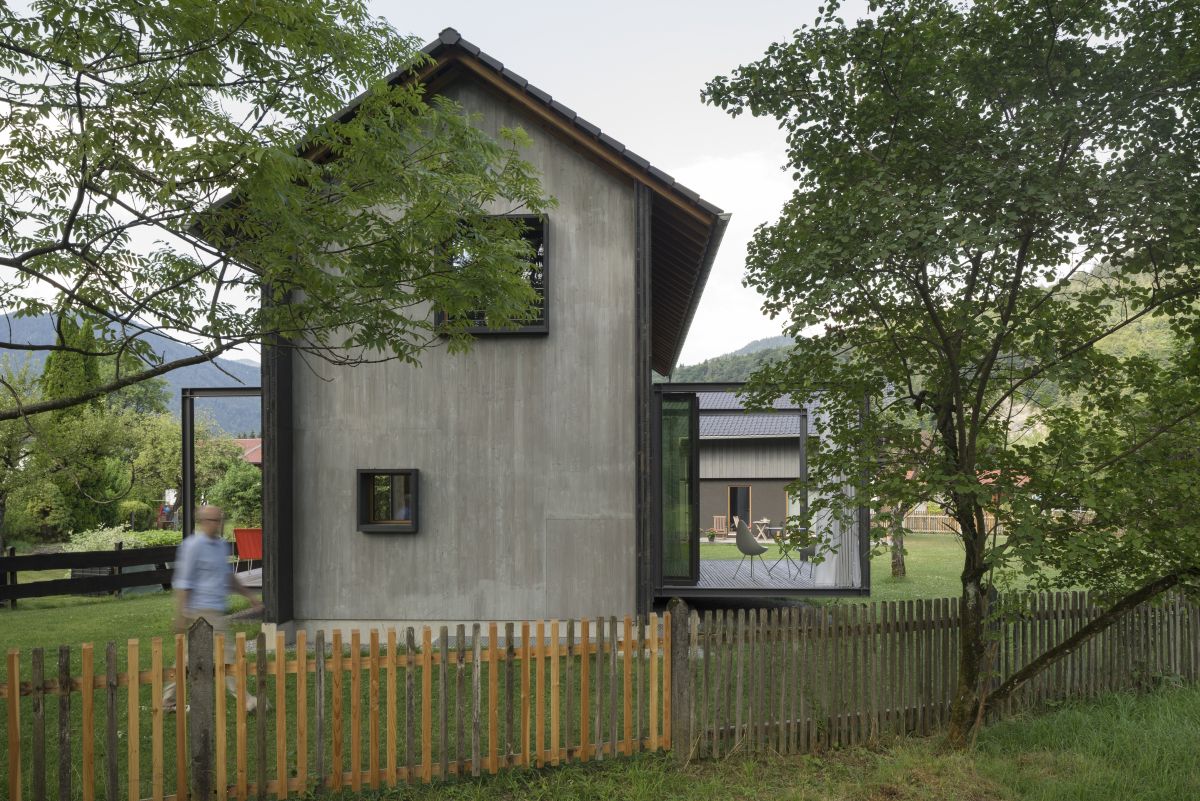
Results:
[202, 566]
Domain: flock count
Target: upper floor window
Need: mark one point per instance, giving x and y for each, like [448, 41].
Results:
[534, 233]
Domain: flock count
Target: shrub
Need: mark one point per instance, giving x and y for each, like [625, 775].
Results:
[105, 539]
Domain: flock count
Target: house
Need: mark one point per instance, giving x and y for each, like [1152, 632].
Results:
[748, 459]
[251, 450]
[542, 472]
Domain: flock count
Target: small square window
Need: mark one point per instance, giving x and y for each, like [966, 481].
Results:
[535, 234]
[387, 501]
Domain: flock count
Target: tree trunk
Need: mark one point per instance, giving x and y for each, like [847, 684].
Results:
[972, 653]
[898, 568]
[972, 649]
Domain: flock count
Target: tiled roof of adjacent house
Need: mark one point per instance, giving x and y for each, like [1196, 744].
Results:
[750, 425]
[722, 400]
[251, 449]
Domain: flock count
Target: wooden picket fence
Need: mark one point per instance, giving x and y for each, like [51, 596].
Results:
[375, 709]
[798, 680]
[924, 523]
[362, 711]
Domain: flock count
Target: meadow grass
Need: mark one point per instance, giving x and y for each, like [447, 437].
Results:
[1117, 747]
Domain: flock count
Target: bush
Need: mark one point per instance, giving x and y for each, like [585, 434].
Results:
[105, 539]
[142, 514]
[239, 493]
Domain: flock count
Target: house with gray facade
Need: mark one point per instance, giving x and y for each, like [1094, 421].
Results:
[538, 474]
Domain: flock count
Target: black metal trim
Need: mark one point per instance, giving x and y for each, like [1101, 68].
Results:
[643, 200]
[187, 404]
[279, 591]
[360, 485]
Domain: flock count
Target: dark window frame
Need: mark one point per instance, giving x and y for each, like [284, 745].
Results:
[363, 492]
[541, 328]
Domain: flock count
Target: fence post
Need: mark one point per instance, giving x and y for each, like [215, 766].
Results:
[200, 717]
[12, 578]
[115, 570]
[681, 681]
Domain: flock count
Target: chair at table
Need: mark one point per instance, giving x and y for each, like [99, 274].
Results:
[719, 524]
[748, 546]
[249, 545]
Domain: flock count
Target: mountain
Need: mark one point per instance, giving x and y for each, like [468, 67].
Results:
[770, 343]
[234, 415]
[735, 366]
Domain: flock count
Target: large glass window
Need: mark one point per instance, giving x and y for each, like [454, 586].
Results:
[680, 532]
[387, 501]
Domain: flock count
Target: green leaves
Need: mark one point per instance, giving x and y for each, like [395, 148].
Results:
[992, 200]
[179, 168]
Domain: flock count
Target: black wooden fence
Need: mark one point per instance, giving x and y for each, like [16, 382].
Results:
[111, 567]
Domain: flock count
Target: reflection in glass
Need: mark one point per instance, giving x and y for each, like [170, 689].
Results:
[677, 524]
[391, 498]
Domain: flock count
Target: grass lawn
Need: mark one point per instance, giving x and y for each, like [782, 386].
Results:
[1119, 747]
[934, 563]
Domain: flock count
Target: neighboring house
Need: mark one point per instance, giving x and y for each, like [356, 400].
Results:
[747, 460]
[542, 473]
[251, 450]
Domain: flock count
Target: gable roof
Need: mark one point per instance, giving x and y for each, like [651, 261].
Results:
[685, 229]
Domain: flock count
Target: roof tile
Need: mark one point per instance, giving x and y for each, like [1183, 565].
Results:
[514, 77]
[587, 127]
[605, 139]
[566, 111]
[494, 63]
[640, 161]
[538, 94]
[660, 175]
[750, 425]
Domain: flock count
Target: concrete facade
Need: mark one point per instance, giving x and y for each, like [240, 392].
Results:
[525, 445]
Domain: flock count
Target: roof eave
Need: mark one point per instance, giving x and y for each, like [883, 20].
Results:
[716, 234]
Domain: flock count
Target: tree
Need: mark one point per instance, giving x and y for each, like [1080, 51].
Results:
[16, 437]
[178, 169]
[239, 493]
[76, 472]
[984, 194]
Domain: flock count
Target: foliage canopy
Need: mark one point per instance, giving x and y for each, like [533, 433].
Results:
[986, 193]
[178, 168]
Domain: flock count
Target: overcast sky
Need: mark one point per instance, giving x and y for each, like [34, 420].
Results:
[636, 69]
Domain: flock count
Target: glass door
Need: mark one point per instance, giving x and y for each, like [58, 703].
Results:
[677, 449]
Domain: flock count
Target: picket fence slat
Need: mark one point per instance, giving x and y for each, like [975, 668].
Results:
[260, 716]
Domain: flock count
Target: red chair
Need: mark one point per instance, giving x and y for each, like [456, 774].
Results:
[249, 545]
